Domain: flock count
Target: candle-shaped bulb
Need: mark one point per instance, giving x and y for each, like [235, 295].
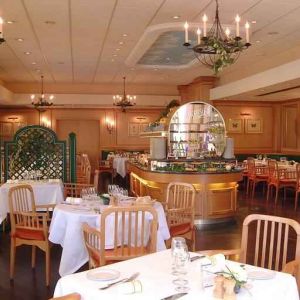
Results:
[227, 32]
[204, 19]
[1, 27]
[198, 35]
[186, 32]
[247, 27]
[237, 20]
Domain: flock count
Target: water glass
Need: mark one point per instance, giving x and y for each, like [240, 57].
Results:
[182, 261]
[176, 244]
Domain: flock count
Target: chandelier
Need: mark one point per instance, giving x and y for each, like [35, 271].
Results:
[41, 103]
[124, 100]
[218, 48]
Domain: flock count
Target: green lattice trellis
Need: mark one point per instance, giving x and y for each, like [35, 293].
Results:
[35, 148]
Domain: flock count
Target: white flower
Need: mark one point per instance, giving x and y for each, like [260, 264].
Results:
[218, 260]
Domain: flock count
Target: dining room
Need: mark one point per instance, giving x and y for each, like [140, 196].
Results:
[149, 149]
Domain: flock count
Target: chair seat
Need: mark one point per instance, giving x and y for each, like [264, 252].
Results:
[180, 229]
[29, 234]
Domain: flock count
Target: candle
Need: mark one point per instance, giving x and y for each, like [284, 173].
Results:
[199, 36]
[186, 32]
[1, 27]
[204, 19]
[247, 26]
[227, 32]
[237, 20]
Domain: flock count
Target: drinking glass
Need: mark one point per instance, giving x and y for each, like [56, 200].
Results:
[182, 260]
[176, 244]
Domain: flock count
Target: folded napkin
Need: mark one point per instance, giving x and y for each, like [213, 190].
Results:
[54, 180]
[72, 200]
[131, 287]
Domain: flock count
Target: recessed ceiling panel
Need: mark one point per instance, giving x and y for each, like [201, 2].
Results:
[168, 50]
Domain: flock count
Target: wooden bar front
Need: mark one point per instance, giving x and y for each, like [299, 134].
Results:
[216, 192]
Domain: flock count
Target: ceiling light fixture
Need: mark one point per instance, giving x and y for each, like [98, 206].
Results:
[176, 17]
[125, 34]
[41, 103]
[2, 40]
[33, 63]
[27, 53]
[10, 22]
[217, 48]
[20, 40]
[124, 100]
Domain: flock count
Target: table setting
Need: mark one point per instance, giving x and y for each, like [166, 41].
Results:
[179, 274]
[68, 217]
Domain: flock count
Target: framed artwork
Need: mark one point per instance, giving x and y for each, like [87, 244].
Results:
[235, 125]
[6, 128]
[143, 127]
[133, 129]
[254, 126]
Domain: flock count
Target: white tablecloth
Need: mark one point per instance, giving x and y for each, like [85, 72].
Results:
[119, 164]
[44, 193]
[156, 278]
[65, 229]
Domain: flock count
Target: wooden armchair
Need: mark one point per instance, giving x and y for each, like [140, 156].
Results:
[126, 243]
[27, 226]
[180, 210]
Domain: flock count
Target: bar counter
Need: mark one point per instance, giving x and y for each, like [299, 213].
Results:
[216, 195]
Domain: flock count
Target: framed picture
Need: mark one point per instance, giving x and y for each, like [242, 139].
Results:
[143, 127]
[133, 129]
[254, 126]
[235, 125]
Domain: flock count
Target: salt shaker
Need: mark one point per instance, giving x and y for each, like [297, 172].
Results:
[218, 291]
[229, 293]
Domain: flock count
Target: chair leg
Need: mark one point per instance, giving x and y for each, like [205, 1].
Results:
[284, 194]
[268, 193]
[276, 194]
[296, 200]
[12, 257]
[253, 189]
[33, 256]
[248, 186]
[47, 266]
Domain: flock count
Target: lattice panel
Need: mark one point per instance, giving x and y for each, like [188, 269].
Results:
[35, 148]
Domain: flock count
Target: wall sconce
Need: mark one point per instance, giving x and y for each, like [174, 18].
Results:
[245, 114]
[45, 122]
[109, 125]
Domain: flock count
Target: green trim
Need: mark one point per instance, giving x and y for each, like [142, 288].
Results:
[72, 157]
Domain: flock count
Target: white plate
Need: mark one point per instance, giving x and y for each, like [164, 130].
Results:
[261, 274]
[102, 275]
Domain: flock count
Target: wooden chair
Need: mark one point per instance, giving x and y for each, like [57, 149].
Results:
[73, 296]
[297, 185]
[180, 210]
[105, 167]
[280, 178]
[293, 268]
[232, 254]
[27, 226]
[126, 243]
[74, 189]
[256, 174]
[270, 250]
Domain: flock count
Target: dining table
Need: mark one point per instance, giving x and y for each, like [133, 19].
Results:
[66, 230]
[155, 276]
[45, 192]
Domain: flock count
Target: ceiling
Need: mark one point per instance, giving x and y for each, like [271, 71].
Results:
[100, 41]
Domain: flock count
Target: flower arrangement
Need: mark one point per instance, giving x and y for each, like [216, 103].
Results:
[230, 270]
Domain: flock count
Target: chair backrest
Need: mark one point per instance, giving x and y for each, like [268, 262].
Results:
[273, 170]
[115, 234]
[21, 199]
[180, 203]
[298, 175]
[272, 242]
[23, 211]
[74, 189]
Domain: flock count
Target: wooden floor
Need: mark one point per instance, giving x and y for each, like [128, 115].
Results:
[30, 284]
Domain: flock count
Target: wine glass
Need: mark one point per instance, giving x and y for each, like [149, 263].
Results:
[182, 260]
